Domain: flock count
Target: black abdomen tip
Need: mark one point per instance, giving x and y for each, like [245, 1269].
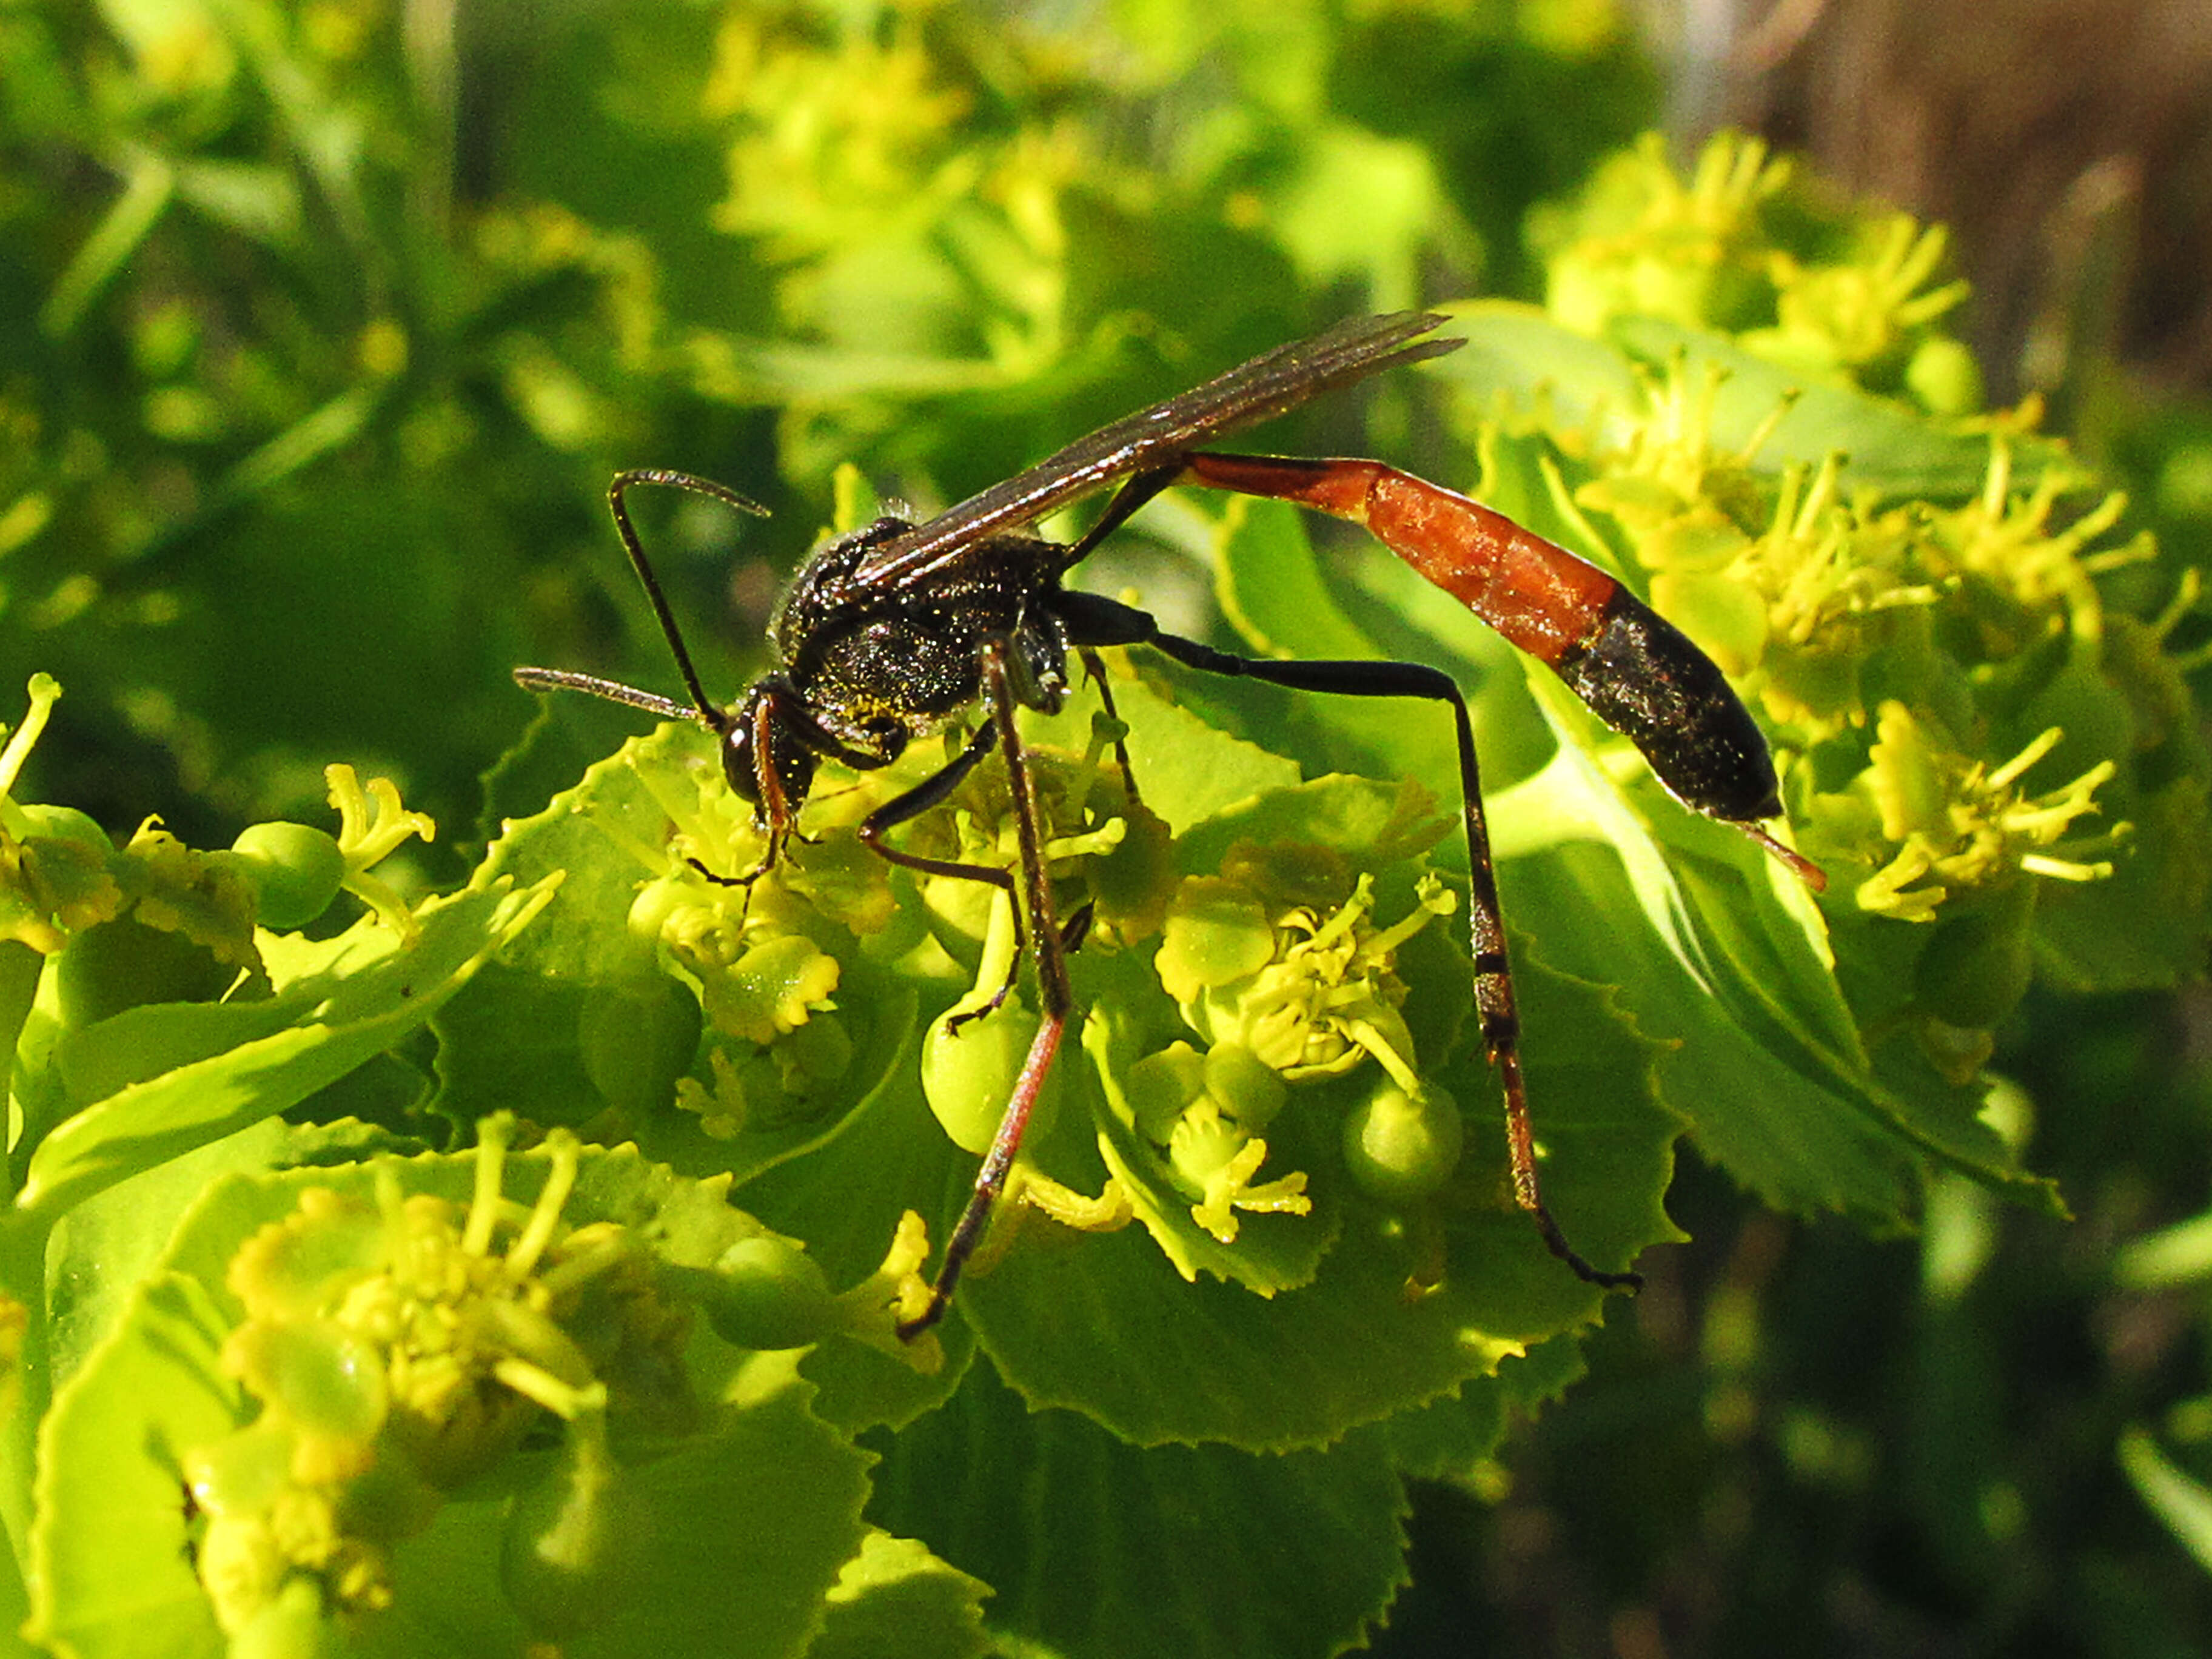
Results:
[1642, 677]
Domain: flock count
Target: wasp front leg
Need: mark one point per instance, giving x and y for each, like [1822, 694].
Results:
[933, 791]
[1048, 951]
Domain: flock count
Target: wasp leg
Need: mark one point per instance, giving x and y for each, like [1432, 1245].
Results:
[932, 790]
[1133, 494]
[1094, 665]
[1054, 993]
[1106, 623]
[1077, 927]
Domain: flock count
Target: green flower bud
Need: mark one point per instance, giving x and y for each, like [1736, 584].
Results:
[388, 1501]
[570, 1553]
[1133, 883]
[767, 1293]
[656, 902]
[1976, 969]
[243, 1472]
[637, 1040]
[291, 1624]
[295, 869]
[1249, 1088]
[293, 1266]
[814, 1057]
[1203, 1144]
[326, 1380]
[1400, 1146]
[772, 988]
[58, 882]
[67, 824]
[240, 1566]
[968, 1075]
[1159, 1086]
[1216, 932]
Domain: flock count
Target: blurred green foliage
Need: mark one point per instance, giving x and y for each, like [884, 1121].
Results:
[343, 320]
[334, 317]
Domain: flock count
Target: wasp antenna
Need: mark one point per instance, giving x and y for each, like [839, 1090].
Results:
[706, 711]
[562, 679]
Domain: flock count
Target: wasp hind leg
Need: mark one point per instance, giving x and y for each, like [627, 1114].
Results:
[1096, 621]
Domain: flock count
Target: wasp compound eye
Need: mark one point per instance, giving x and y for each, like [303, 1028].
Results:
[738, 764]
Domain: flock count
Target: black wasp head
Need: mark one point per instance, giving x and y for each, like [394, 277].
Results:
[765, 759]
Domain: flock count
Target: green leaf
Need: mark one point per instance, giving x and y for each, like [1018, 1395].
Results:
[607, 836]
[109, 1550]
[840, 1180]
[1272, 586]
[110, 1243]
[1448, 1438]
[2182, 1502]
[1210, 1361]
[339, 1002]
[745, 1528]
[844, 1196]
[1097, 1550]
[1186, 770]
[1715, 947]
[1271, 1253]
[751, 1526]
[1516, 352]
[747, 1523]
[894, 1597]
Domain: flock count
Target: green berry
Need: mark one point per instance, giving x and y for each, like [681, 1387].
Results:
[637, 1040]
[1944, 376]
[1402, 1147]
[67, 824]
[767, 1293]
[294, 867]
[968, 1075]
[568, 1557]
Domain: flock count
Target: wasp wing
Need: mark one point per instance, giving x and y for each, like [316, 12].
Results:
[1270, 384]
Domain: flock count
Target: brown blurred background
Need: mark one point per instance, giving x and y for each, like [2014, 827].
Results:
[2067, 143]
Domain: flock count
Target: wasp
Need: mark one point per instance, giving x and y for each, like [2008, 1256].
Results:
[896, 630]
